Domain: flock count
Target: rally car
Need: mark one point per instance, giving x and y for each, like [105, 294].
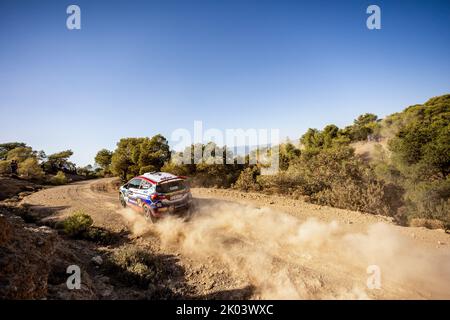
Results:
[156, 194]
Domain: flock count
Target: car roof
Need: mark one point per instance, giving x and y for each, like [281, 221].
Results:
[158, 177]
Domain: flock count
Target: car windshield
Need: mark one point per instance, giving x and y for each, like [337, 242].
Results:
[171, 186]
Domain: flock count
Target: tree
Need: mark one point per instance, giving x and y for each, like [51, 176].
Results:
[420, 154]
[120, 163]
[288, 153]
[31, 169]
[363, 126]
[134, 156]
[59, 162]
[315, 139]
[312, 139]
[329, 133]
[20, 154]
[6, 147]
[423, 142]
[365, 119]
[103, 159]
[87, 171]
[154, 152]
[5, 167]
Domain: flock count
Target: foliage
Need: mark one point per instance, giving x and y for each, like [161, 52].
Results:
[335, 177]
[59, 162]
[59, 179]
[30, 168]
[363, 127]
[134, 266]
[330, 136]
[77, 224]
[20, 154]
[247, 180]
[6, 147]
[134, 154]
[420, 158]
[177, 169]
[408, 179]
[33, 164]
[288, 153]
[5, 167]
[103, 159]
[87, 171]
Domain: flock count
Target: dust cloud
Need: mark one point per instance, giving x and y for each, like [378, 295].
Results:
[138, 225]
[285, 258]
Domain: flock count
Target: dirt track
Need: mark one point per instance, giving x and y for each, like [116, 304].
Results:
[241, 245]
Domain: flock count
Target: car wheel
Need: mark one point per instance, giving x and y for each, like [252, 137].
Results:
[148, 214]
[122, 201]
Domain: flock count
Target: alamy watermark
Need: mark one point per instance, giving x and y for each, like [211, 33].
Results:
[73, 21]
[74, 280]
[229, 146]
[373, 22]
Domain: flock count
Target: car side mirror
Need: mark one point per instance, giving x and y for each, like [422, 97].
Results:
[125, 186]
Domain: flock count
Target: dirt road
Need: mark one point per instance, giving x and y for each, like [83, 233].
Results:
[244, 245]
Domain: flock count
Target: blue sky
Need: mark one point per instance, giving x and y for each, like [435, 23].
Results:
[138, 68]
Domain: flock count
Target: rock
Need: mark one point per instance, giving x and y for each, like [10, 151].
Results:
[5, 230]
[25, 258]
[24, 194]
[97, 260]
[107, 292]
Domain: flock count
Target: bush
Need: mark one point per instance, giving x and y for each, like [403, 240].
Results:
[420, 159]
[5, 167]
[247, 180]
[77, 224]
[177, 169]
[59, 179]
[134, 266]
[30, 169]
[334, 177]
[428, 223]
[367, 197]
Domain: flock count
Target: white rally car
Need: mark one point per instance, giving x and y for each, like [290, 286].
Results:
[156, 194]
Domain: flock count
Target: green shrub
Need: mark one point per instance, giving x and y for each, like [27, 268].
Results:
[420, 159]
[59, 179]
[178, 169]
[134, 266]
[334, 177]
[367, 197]
[247, 180]
[5, 167]
[77, 224]
[31, 169]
